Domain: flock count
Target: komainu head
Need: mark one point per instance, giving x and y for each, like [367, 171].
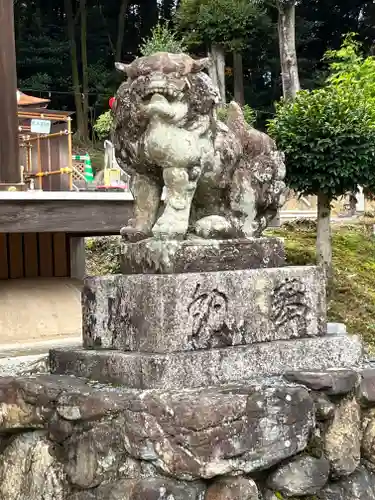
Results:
[163, 86]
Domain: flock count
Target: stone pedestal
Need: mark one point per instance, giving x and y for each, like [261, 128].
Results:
[236, 319]
[189, 311]
[208, 367]
[198, 255]
[208, 372]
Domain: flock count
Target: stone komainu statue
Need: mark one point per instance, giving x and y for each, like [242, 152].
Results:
[222, 180]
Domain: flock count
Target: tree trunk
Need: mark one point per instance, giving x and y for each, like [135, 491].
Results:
[9, 166]
[38, 16]
[287, 44]
[121, 28]
[217, 69]
[323, 237]
[239, 94]
[74, 63]
[85, 79]
[353, 203]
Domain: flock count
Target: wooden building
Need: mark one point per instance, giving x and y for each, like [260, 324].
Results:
[45, 158]
[42, 231]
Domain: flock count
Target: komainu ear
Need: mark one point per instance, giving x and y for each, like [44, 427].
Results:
[200, 64]
[123, 68]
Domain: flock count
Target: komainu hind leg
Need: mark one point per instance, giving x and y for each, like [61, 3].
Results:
[238, 211]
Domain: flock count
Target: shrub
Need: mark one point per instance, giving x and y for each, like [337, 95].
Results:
[102, 126]
[328, 136]
[162, 39]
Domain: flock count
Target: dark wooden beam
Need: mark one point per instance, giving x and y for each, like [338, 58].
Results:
[9, 165]
[86, 217]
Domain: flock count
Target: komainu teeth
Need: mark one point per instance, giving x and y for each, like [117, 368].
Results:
[167, 91]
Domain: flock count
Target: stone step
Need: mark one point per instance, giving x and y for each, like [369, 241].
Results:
[190, 311]
[208, 367]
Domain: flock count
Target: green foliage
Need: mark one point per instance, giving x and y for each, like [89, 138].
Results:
[37, 82]
[328, 136]
[352, 293]
[162, 39]
[42, 59]
[349, 68]
[331, 131]
[103, 124]
[43, 46]
[345, 58]
[230, 23]
[248, 113]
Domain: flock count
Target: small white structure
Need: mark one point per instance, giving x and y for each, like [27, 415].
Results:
[113, 173]
[360, 207]
[109, 155]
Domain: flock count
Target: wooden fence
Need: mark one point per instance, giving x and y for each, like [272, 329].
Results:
[33, 255]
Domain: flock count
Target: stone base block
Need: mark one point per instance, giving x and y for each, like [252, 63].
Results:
[198, 255]
[72, 439]
[191, 311]
[148, 439]
[208, 367]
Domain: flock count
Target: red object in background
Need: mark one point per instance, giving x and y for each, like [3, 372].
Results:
[111, 102]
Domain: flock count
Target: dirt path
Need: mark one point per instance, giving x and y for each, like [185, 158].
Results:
[39, 310]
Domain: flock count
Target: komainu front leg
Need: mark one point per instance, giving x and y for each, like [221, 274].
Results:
[147, 194]
[181, 184]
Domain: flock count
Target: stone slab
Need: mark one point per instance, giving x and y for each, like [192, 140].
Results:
[152, 256]
[332, 382]
[191, 311]
[208, 367]
[336, 329]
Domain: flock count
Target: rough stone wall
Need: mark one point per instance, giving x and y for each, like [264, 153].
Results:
[307, 435]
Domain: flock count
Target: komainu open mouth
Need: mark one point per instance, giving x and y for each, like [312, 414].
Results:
[166, 89]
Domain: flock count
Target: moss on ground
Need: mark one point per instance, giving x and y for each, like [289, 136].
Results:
[103, 255]
[352, 291]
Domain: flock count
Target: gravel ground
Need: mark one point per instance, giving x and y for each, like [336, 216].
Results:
[23, 365]
[30, 359]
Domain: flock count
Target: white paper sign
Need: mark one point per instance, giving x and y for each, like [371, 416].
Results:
[40, 126]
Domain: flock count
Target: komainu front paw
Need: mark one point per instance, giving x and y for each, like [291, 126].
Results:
[132, 234]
